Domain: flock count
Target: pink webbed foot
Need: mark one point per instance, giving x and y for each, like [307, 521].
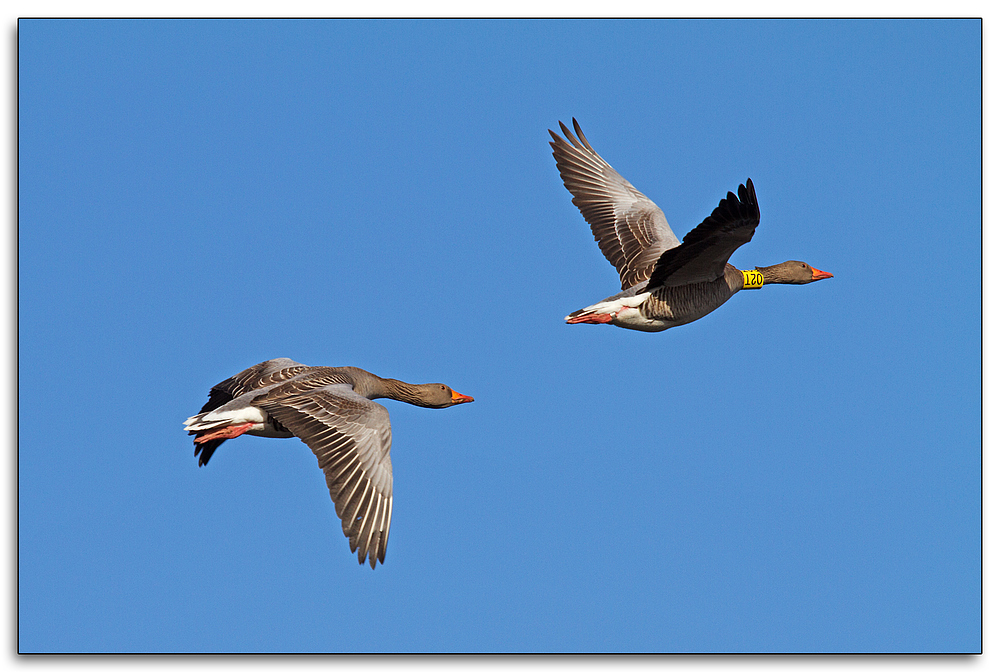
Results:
[591, 318]
[229, 432]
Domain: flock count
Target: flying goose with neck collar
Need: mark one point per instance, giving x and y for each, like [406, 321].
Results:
[665, 282]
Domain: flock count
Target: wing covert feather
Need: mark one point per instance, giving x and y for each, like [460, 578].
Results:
[257, 376]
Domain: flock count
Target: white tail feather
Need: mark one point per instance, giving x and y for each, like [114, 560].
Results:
[204, 422]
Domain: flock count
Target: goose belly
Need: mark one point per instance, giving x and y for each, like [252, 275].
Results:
[632, 318]
[674, 306]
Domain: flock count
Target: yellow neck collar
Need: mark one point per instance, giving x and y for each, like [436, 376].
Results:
[752, 279]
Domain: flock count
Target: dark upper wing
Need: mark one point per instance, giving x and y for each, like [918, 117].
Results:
[630, 229]
[706, 248]
[351, 437]
[257, 376]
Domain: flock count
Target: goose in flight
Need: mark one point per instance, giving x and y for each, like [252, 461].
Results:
[331, 410]
[665, 282]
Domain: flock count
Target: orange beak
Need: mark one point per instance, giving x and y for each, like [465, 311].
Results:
[821, 275]
[457, 398]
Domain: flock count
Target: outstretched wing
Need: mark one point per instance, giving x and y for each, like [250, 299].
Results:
[630, 229]
[706, 248]
[351, 437]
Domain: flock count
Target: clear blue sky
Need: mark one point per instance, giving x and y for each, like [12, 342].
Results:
[797, 471]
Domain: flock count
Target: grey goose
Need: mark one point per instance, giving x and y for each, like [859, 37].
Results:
[331, 410]
[665, 282]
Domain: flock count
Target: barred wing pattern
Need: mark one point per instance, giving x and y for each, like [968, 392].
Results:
[257, 376]
[630, 229]
[351, 437]
[706, 249]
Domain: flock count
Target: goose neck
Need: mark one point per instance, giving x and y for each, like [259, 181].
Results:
[390, 388]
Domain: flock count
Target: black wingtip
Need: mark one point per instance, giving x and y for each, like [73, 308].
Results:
[749, 196]
[739, 206]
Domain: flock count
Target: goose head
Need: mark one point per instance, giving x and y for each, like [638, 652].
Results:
[438, 395]
[792, 273]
